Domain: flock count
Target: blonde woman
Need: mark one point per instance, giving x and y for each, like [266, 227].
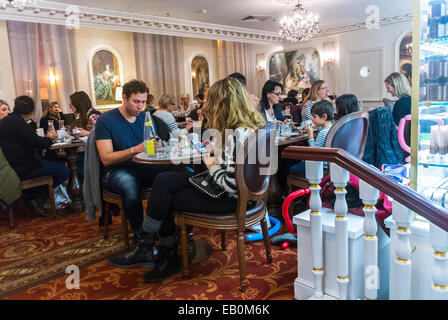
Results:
[228, 106]
[319, 91]
[167, 104]
[398, 86]
[4, 109]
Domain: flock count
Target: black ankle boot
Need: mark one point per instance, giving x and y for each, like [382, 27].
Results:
[142, 253]
[167, 264]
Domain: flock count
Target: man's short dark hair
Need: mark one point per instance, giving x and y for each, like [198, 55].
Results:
[200, 96]
[322, 107]
[134, 86]
[23, 105]
[238, 76]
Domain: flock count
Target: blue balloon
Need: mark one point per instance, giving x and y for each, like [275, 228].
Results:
[259, 236]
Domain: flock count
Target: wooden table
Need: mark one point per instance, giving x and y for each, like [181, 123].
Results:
[70, 150]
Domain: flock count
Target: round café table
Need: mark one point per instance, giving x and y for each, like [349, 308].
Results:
[70, 151]
[203, 250]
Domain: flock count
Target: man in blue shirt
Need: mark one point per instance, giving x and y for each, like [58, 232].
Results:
[119, 136]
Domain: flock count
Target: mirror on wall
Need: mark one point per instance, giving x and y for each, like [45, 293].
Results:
[200, 75]
[406, 50]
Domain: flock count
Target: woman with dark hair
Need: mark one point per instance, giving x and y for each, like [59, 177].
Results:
[85, 114]
[22, 148]
[270, 106]
[345, 104]
[54, 113]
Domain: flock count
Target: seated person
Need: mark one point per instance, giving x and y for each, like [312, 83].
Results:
[150, 104]
[119, 136]
[270, 107]
[200, 100]
[346, 104]
[23, 150]
[322, 117]
[167, 104]
[398, 86]
[172, 191]
[4, 109]
[292, 97]
[54, 114]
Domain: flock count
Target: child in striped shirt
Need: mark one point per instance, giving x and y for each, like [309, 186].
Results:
[323, 115]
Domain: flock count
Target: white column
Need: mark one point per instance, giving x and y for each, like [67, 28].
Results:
[439, 241]
[339, 177]
[369, 196]
[314, 174]
[400, 279]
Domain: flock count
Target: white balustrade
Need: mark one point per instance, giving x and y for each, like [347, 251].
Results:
[369, 196]
[439, 241]
[400, 280]
[314, 174]
[340, 177]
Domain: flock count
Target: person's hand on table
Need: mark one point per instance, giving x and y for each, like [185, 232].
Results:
[309, 131]
[209, 160]
[138, 148]
[84, 133]
[189, 124]
[52, 135]
[158, 143]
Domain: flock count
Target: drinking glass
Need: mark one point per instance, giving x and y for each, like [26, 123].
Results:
[61, 124]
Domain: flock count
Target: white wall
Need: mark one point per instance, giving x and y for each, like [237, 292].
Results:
[385, 39]
[205, 48]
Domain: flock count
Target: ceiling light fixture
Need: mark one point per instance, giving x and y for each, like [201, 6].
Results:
[299, 25]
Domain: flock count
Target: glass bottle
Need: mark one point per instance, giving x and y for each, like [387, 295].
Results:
[50, 126]
[149, 136]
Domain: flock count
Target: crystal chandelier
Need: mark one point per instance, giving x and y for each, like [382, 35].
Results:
[299, 25]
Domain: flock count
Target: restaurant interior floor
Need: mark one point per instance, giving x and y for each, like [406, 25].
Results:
[35, 254]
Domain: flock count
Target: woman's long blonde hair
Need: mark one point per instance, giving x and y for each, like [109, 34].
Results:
[229, 106]
[400, 83]
[314, 96]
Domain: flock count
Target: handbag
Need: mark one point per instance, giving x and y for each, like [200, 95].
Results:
[203, 182]
[61, 197]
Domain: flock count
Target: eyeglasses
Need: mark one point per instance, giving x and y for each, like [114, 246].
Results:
[276, 93]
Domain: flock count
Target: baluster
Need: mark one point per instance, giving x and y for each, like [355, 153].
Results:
[339, 177]
[439, 241]
[369, 196]
[314, 174]
[401, 278]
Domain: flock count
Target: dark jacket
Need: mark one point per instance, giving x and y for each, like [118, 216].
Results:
[277, 111]
[44, 121]
[382, 145]
[401, 109]
[20, 143]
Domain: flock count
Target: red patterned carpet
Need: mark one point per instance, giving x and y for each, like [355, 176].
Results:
[53, 245]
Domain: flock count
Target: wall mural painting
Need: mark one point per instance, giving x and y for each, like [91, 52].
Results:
[295, 69]
[106, 75]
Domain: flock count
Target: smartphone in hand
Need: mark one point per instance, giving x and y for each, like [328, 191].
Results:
[199, 147]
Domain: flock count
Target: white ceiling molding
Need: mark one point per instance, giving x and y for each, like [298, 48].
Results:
[60, 14]
[363, 25]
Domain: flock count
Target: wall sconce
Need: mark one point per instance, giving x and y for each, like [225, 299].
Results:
[259, 68]
[53, 77]
[193, 75]
[328, 53]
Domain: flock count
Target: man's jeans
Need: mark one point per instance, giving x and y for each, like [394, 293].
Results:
[127, 182]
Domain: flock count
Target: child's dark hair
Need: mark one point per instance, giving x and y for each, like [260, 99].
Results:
[319, 108]
[345, 104]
